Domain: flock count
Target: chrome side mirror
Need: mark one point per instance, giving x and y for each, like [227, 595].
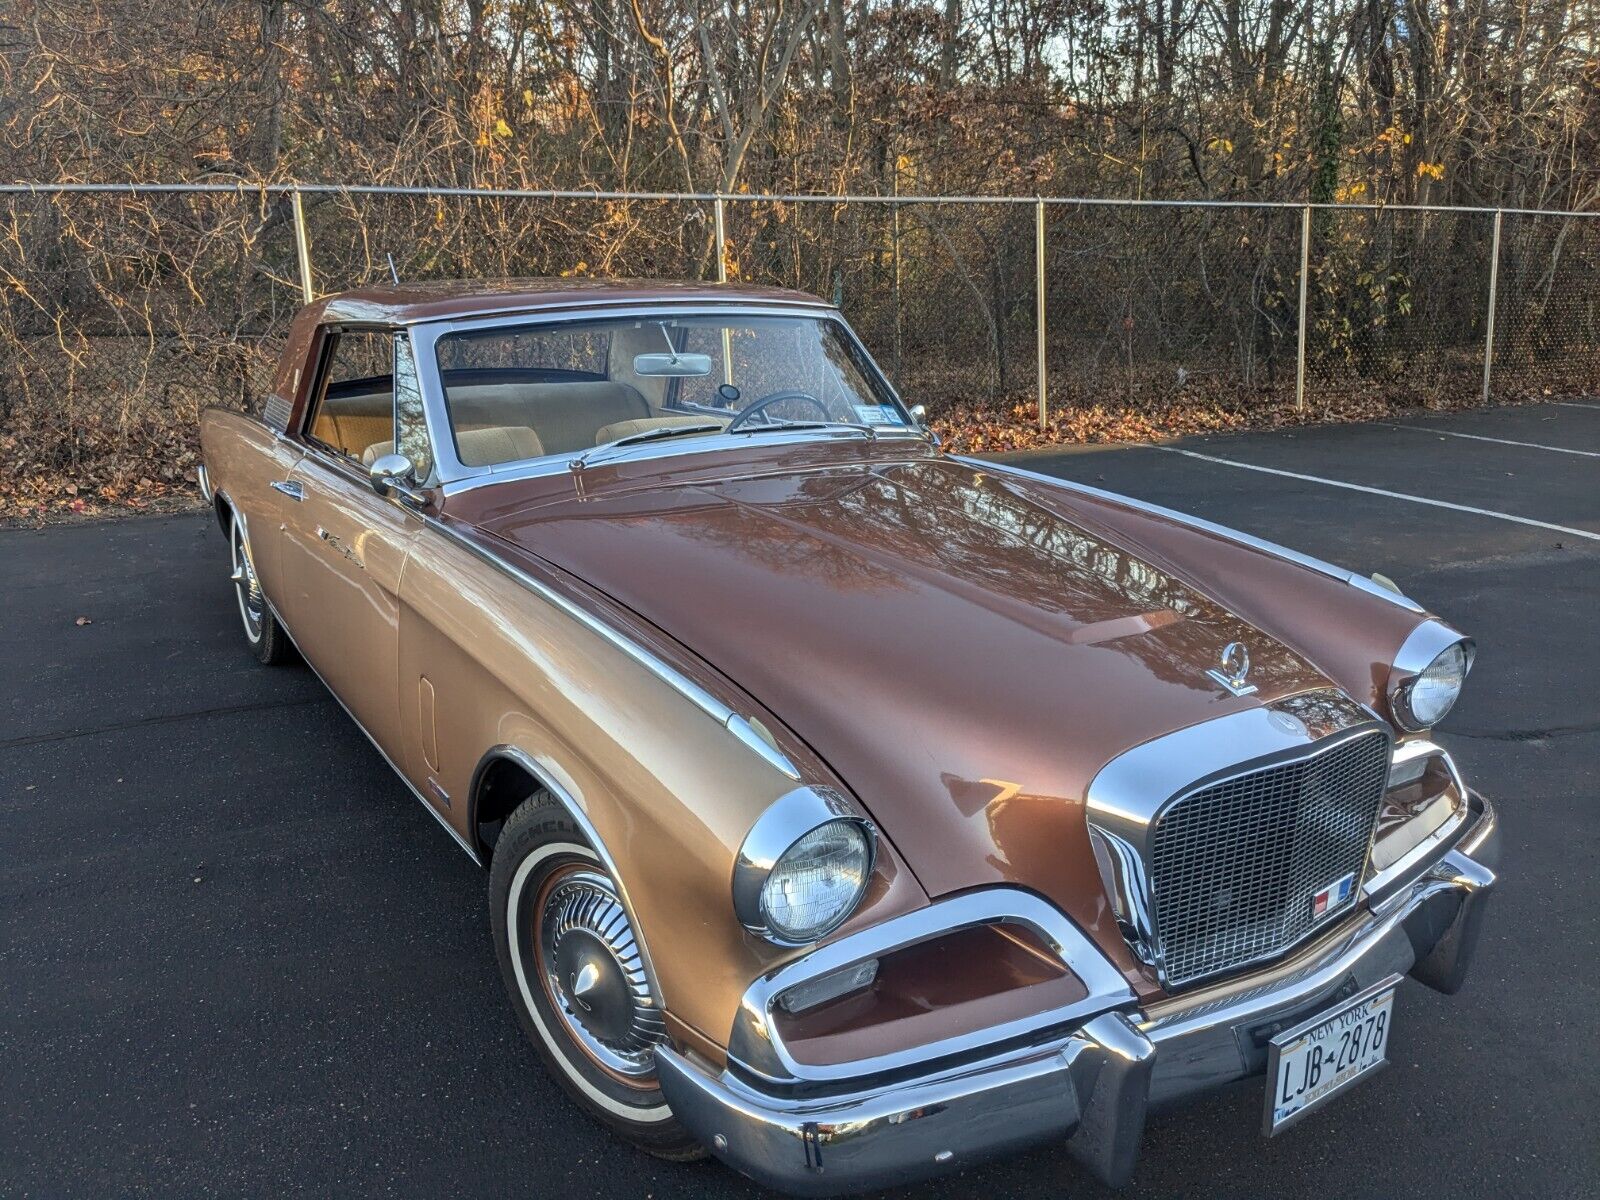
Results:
[391, 471]
[919, 414]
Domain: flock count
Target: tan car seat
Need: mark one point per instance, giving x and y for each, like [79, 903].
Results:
[478, 447]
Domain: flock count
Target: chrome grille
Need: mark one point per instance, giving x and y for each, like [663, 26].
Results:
[1234, 866]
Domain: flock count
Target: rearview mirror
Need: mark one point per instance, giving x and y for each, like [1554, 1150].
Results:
[390, 471]
[672, 366]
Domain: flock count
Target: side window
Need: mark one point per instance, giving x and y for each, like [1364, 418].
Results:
[355, 412]
[411, 426]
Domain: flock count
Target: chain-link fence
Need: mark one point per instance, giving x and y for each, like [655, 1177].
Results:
[126, 308]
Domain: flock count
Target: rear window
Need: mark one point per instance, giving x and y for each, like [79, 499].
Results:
[551, 351]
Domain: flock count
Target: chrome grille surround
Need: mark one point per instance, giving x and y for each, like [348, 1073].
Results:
[1246, 816]
[1234, 866]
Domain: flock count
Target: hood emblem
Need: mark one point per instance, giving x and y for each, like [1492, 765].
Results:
[1235, 667]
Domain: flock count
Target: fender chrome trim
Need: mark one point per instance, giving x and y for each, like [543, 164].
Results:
[735, 723]
[1353, 578]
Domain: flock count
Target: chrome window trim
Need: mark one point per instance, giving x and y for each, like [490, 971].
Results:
[1129, 793]
[402, 339]
[1422, 645]
[737, 725]
[781, 824]
[755, 1047]
[456, 476]
[1322, 567]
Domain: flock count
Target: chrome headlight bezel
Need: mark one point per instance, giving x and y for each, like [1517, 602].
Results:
[1427, 644]
[777, 831]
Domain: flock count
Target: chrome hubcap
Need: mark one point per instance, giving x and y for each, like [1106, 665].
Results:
[594, 973]
[251, 603]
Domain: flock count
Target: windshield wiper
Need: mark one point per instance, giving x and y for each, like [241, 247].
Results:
[646, 435]
[784, 426]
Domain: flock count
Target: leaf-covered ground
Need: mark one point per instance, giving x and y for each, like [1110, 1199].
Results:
[93, 467]
[988, 429]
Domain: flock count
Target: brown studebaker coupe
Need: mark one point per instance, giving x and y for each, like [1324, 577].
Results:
[851, 810]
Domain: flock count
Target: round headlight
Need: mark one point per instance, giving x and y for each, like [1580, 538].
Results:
[816, 883]
[1423, 701]
[803, 867]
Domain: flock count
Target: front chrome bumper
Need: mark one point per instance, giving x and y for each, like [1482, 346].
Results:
[1091, 1085]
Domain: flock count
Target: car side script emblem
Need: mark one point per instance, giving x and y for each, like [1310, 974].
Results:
[1235, 666]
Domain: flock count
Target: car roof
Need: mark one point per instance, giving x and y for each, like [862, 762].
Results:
[438, 300]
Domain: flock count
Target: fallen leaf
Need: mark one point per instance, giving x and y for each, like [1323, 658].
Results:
[83, 621]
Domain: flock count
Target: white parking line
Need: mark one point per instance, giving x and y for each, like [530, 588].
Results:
[1478, 437]
[1372, 491]
[1574, 404]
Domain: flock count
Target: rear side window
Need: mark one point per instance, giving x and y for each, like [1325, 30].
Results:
[355, 411]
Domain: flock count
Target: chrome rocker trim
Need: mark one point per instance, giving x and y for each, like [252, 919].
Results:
[1091, 1085]
[444, 823]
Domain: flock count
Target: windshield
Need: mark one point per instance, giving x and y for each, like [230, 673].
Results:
[523, 391]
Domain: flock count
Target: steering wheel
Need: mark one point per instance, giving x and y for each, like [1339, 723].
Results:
[771, 398]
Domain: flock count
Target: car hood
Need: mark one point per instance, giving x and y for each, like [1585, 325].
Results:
[963, 655]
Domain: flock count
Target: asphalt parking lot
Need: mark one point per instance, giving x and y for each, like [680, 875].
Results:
[237, 958]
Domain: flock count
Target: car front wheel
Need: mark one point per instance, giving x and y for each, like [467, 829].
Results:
[577, 976]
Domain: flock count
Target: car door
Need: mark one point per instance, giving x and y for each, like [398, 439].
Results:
[257, 463]
[344, 547]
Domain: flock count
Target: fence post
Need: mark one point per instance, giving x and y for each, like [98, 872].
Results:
[1494, 283]
[1039, 293]
[302, 247]
[894, 250]
[722, 239]
[1300, 349]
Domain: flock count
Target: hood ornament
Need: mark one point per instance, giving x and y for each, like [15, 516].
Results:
[1235, 667]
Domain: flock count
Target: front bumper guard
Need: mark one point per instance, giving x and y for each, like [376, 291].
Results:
[1092, 1085]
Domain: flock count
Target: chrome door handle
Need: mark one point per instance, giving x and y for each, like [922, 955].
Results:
[289, 488]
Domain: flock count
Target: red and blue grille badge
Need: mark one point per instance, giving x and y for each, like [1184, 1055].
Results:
[1332, 896]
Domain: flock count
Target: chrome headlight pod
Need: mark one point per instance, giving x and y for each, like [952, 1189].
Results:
[803, 868]
[1428, 674]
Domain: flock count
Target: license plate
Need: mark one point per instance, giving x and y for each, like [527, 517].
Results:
[1312, 1063]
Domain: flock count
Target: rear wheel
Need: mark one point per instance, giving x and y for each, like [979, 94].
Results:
[577, 977]
[268, 642]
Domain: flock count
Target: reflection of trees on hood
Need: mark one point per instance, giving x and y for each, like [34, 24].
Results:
[881, 528]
